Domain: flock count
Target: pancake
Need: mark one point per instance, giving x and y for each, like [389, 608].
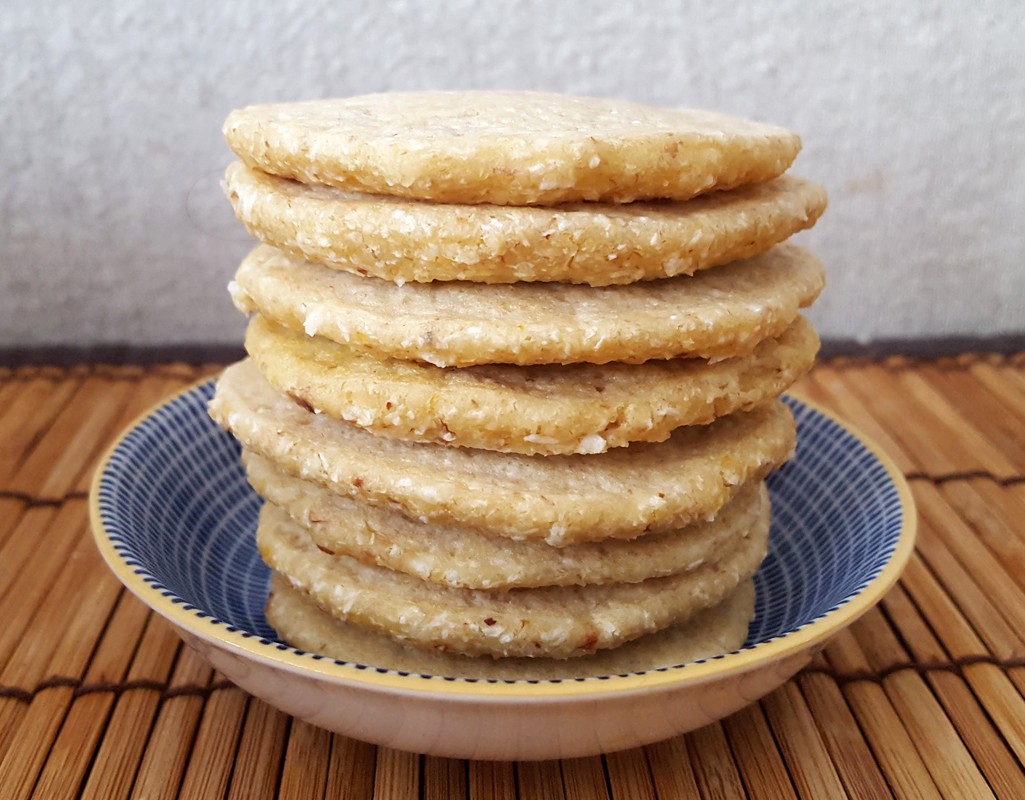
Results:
[507, 147]
[301, 622]
[554, 622]
[452, 556]
[543, 409]
[623, 493]
[717, 313]
[597, 244]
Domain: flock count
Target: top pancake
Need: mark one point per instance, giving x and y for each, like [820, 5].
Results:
[594, 243]
[507, 147]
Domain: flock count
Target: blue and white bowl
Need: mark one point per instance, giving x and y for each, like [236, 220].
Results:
[174, 518]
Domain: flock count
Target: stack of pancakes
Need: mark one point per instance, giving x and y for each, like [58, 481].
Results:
[514, 370]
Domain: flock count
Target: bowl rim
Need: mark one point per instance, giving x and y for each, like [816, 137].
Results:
[224, 635]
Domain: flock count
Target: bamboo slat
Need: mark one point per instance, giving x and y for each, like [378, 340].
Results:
[171, 742]
[261, 753]
[993, 519]
[145, 393]
[55, 646]
[1007, 385]
[984, 411]
[802, 745]
[77, 432]
[63, 532]
[993, 692]
[878, 389]
[25, 417]
[847, 747]
[115, 765]
[960, 435]
[305, 773]
[210, 767]
[443, 778]
[919, 709]
[16, 551]
[71, 754]
[671, 770]
[11, 510]
[923, 698]
[353, 764]
[891, 742]
[955, 772]
[23, 760]
[585, 778]
[828, 390]
[629, 775]
[987, 595]
[540, 779]
[714, 769]
[397, 775]
[492, 780]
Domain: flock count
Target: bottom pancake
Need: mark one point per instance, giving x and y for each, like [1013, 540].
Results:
[299, 621]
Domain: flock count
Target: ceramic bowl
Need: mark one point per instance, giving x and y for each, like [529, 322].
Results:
[174, 518]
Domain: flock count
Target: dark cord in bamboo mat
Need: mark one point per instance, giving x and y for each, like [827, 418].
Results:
[965, 476]
[167, 691]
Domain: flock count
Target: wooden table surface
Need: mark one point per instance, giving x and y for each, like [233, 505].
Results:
[923, 697]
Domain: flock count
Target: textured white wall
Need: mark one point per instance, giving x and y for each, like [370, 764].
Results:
[113, 228]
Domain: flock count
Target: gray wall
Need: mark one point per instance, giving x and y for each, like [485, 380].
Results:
[113, 228]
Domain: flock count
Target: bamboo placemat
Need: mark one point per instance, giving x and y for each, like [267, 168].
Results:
[921, 698]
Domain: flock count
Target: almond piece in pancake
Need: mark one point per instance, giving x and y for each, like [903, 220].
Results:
[597, 244]
[717, 313]
[299, 621]
[553, 622]
[542, 409]
[455, 557]
[508, 147]
[623, 493]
